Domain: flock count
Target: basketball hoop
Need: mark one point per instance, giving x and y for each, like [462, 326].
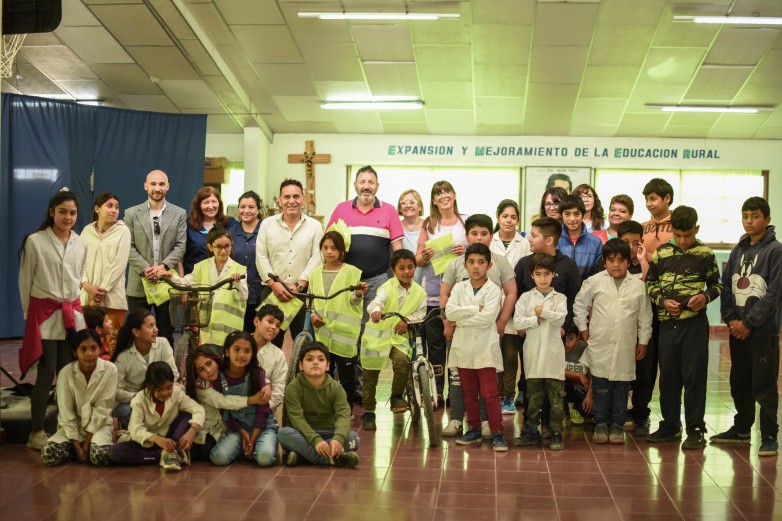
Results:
[11, 45]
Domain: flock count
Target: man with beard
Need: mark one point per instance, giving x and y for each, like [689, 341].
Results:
[288, 246]
[158, 232]
[375, 231]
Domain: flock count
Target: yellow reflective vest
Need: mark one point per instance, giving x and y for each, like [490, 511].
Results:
[378, 339]
[342, 319]
[227, 312]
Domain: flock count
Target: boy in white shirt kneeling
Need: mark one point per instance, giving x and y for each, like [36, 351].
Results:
[617, 336]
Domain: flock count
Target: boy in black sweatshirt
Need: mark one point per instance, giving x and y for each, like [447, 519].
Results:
[750, 305]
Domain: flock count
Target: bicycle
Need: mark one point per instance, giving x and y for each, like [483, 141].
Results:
[421, 391]
[190, 308]
[308, 333]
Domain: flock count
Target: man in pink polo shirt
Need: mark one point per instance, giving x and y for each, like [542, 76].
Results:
[375, 231]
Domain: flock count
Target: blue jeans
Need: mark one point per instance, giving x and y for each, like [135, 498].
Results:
[230, 447]
[122, 413]
[292, 440]
[609, 401]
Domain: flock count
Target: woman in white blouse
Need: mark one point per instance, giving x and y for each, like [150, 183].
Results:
[52, 261]
[108, 247]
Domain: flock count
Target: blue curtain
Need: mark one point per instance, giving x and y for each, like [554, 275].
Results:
[49, 144]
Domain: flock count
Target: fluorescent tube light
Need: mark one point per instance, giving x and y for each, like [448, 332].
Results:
[709, 108]
[335, 15]
[730, 20]
[372, 105]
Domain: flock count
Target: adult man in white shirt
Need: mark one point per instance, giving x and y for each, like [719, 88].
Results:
[288, 246]
[158, 232]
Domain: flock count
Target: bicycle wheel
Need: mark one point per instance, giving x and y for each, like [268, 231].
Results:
[426, 404]
[412, 403]
[181, 351]
[293, 368]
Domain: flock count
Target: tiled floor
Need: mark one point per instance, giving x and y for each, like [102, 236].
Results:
[400, 478]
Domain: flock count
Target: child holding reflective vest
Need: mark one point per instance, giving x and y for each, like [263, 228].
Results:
[387, 339]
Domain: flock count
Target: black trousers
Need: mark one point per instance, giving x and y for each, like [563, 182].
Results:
[162, 316]
[347, 375]
[646, 375]
[435, 345]
[753, 378]
[684, 363]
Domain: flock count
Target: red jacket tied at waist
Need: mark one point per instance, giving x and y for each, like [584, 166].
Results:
[38, 311]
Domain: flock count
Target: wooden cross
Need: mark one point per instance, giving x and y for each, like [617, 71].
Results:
[309, 158]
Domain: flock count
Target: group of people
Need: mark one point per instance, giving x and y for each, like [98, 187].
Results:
[584, 308]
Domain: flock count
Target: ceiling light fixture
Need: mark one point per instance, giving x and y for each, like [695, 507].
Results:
[90, 102]
[709, 108]
[335, 15]
[730, 20]
[373, 105]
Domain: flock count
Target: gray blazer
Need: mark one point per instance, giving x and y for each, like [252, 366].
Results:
[173, 235]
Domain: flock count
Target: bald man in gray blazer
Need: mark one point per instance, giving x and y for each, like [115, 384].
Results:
[158, 232]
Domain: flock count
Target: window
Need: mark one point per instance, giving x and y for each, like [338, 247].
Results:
[717, 196]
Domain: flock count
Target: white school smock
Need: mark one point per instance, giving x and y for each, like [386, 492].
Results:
[131, 367]
[544, 352]
[145, 422]
[272, 361]
[476, 343]
[52, 270]
[621, 319]
[212, 401]
[83, 406]
[517, 248]
[107, 260]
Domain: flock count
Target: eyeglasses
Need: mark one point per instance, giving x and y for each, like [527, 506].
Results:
[220, 247]
[156, 223]
[443, 193]
[550, 205]
[408, 203]
[587, 196]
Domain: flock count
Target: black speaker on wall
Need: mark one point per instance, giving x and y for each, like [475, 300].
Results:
[31, 16]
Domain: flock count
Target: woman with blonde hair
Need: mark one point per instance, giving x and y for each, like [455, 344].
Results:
[410, 207]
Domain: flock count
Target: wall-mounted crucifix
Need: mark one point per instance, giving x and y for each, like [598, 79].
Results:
[309, 158]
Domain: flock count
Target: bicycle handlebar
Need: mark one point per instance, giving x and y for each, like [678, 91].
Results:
[434, 313]
[275, 278]
[197, 287]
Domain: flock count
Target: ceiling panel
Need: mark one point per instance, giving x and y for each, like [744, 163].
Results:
[301, 108]
[620, 45]
[606, 81]
[716, 84]
[357, 121]
[125, 78]
[547, 123]
[736, 127]
[190, 94]
[333, 62]
[201, 59]
[212, 23]
[75, 13]
[769, 70]
[383, 42]
[334, 90]
[392, 79]
[664, 65]
[618, 12]
[58, 63]
[405, 128]
[131, 24]
[648, 124]
[309, 31]
[592, 130]
[736, 46]
[686, 132]
[500, 80]
[594, 111]
[501, 44]
[443, 32]
[499, 130]
[499, 111]
[173, 19]
[565, 24]
[442, 95]
[164, 63]
[222, 124]
[450, 122]
[267, 43]
[560, 64]
[29, 80]
[652, 93]
[286, 80]
[93, 44]
[444, 63]
[683, 34]
[252, 12]
[511, 12]
[149, 103]
[551, 97]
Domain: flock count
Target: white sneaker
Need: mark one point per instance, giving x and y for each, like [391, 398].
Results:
[37, 440]
[485, 430]
[454, 428]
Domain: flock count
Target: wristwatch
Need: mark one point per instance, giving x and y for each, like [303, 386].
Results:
[300, 288]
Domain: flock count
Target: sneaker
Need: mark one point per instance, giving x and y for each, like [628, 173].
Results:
[662, 436]
[346, 460]
[695, 440]
[398, 404]
[545, 431]
[641, 427]
[731, 435]
[557, 443]
[601, 433]
[498, 443]
[519, 401]
[170, 461]
[472, 437]
[454, 428]
[530, 436]
[616, 434]
[768, 446]
[485, 430]
[575, 417]
[368, 421]
[184, 456]
[37, 440]
[507, 405]
[292, 459]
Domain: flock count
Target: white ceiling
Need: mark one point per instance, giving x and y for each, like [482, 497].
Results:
[506, 67]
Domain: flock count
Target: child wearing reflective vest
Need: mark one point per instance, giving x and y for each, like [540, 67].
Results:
[338, 320]
[228, 302]
[387, 339]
